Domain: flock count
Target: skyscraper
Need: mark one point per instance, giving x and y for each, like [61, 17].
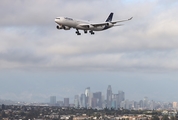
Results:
[145, 102]
[53, 100]
[175, 104]
[66, 102]
[87, 94]
[98, 98]
[115, 101]
[109, 97]
[83, 100]
[121, 97]
[76, 101]
[87, 91]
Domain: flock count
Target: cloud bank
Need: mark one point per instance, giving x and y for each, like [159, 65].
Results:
[29, 39]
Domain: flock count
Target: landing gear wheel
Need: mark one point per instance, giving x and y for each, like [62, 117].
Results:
[85, 31]
[77, 32]
[92, 33]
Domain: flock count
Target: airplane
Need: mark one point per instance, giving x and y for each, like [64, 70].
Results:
[67, 23]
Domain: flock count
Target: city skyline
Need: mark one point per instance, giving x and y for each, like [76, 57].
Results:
[98, 100]
[38, 61]
[145, 88]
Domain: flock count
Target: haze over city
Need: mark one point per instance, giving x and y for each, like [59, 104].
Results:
[38, 61]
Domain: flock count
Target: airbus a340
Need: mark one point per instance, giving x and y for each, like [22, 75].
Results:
[67, 23]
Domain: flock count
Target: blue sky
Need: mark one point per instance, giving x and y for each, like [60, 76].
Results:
[37, 60]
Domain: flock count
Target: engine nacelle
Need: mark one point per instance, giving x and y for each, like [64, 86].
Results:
[66, 28]
[109, 24]
[86, 26]
[63, 27]
[59, 27]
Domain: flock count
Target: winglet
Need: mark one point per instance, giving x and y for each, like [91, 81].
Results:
[130, 18]
[109, 19]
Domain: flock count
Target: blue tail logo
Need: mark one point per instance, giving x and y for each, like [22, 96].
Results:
[109, 19]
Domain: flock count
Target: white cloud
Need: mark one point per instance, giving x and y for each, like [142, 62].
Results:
[29, 38]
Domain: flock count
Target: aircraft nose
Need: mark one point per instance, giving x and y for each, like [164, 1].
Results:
[55, 20]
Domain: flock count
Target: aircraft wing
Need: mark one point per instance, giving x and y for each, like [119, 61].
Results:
[99, 24]
[121, 21]
[102, 24]
[106, 23]
[85, 25]
[93, 24]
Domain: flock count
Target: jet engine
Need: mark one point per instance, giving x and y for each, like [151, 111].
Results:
[63, 27]
[66, 28]
[59, 27]
[91, 26]
[109, 24]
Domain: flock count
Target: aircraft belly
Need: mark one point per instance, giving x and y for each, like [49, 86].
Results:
[70, 24]
[97, 28]
[93, 29]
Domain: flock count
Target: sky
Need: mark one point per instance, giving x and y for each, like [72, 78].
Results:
[38, 61]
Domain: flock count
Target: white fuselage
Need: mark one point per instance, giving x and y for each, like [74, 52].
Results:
[77, 24]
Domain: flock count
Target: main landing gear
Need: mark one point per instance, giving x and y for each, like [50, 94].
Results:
[92, 33]
[77, 32]
[85, 31]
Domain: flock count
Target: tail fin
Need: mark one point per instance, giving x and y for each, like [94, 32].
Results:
[109, 19]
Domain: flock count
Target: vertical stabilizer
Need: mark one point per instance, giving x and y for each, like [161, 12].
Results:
[109, 19]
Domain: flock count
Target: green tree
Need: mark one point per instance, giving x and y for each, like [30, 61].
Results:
[165, 117]
[173, 118]
[155, 117]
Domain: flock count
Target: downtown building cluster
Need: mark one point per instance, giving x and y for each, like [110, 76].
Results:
[97, 100]
[115, 101]
[90, 99]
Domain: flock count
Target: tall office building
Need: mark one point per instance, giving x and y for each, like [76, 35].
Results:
[66, 102]
[141, 103]
[98, 98]
[76, 101]
[104, 102]
[121, 97]
[90, 100]
[145, 102]
[114, 101]
[87, 91]
[175, 105]
[52, 100]
[83, 101]
[94, 103]
[87, 94]
[109, 97]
